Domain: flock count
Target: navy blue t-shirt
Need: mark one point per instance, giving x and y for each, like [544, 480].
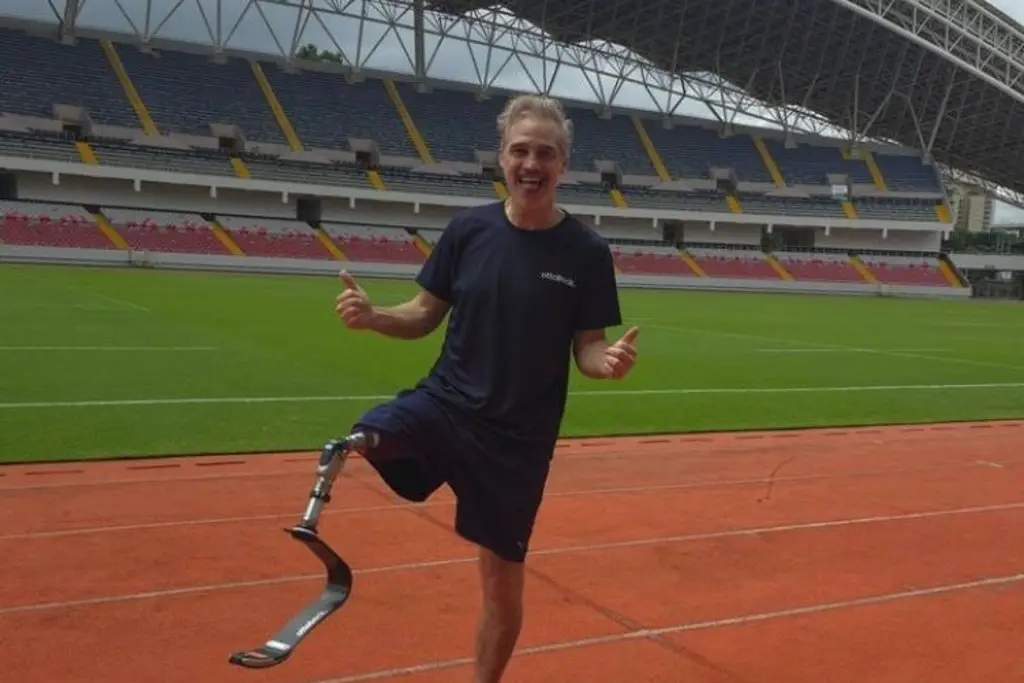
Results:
[517, 296]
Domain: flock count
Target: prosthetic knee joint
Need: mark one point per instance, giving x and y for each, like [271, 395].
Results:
[332, 461]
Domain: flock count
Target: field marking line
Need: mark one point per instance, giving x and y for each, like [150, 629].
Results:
[738, 620]
[540, 552]
[968, 324]
[823, 350]
[841, 347]
[108, 403]
[82, 289]
[565, 493]
[107, 348]
[118, 300]
[6, 306]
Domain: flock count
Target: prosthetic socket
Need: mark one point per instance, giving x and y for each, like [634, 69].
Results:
[332, 461]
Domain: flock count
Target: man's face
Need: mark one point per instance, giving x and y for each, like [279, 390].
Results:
[533, 161]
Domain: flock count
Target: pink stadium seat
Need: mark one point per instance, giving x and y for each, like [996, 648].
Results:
[925, 272]
[44, 230]
[736, 266]
[821, 269]
[188, 237]
[379, 249]
[258, 240]
[651, 263]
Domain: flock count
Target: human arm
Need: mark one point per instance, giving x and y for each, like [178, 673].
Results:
[413, 319]
[417, 317]
[595, 356]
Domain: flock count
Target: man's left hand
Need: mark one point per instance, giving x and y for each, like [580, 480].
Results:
[620, 357]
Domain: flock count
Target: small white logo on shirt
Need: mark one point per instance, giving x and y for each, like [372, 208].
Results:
[555, 277]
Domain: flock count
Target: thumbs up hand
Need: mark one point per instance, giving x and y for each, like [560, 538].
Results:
[620, 357]
[353, 305]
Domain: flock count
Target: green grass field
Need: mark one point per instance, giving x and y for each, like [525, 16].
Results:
[104, 363]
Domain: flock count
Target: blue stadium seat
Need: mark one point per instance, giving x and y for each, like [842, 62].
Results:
[895, 209]
[453, 123]
[691, 151]
[185, 93]
[36, 73]
[615, 139]
[907, 174]
[809, 165]
[326, 110]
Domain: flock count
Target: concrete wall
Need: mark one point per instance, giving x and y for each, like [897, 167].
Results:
[252, 264]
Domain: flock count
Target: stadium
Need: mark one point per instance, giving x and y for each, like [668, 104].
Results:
[816, 466]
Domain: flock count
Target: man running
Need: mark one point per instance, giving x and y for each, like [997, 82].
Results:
[530, 288]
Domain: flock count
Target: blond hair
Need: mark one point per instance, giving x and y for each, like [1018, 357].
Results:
[539, 107]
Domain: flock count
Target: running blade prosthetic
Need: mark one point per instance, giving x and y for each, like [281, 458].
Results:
[334, 594]
[339, 575]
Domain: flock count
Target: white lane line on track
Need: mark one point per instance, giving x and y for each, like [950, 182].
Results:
[706, 484]
[540, 552]
[739, 620]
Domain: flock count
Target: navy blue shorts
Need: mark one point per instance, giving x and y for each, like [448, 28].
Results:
[423, 445]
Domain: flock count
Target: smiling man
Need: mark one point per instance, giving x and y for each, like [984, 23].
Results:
[529, 288]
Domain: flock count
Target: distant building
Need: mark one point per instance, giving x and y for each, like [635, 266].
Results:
[972, 207]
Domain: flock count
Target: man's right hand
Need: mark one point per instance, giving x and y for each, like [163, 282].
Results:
[353, 305]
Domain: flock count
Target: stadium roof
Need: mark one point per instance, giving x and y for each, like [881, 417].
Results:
[946, 76]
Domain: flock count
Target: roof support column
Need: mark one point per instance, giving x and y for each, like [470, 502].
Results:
[68, 18]
[419, 51]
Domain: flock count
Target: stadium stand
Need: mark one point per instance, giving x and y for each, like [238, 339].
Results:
[389, 167]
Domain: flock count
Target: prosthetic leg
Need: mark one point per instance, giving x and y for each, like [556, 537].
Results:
[339, 574]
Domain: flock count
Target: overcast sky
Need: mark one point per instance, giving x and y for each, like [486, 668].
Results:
[242, 26]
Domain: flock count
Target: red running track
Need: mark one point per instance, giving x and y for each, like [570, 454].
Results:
[886, 555]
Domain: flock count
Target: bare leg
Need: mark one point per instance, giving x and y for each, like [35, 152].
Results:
[502, 616]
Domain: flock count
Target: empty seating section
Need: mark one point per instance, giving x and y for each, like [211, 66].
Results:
[614, 139]
[326, 110]
[43, 225]
[47, 147]
[895, 209]
[193, 162]
[639, 197]
[274, 237]
[791, 206]
[905, 270]
[181, 233]
[185, 93]
[691, 151]
[308, 172]
[582, 193]
[404, 180]
[453, 123]
[655, 259]
[725, 262]
[37, 73]
[819, 267]
[907, 173]
[373, 244]
[809, 165]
